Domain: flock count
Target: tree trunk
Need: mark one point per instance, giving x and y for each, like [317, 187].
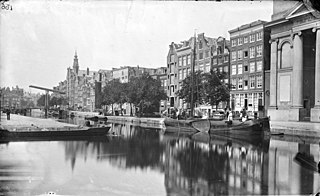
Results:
[131, 114]
[112, 109]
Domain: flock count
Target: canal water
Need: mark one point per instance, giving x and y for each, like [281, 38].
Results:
[145, 161]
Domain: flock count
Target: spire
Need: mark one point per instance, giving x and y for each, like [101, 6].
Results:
[75, 63]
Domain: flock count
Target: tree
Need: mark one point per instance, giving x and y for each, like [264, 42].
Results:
[41, 100]
[216, 89]
[185, 92]
[208, 88]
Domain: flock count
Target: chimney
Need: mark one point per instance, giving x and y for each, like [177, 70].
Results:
[87, 70]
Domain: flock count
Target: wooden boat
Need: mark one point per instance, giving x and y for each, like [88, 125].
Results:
[260, 126]
[190, 125]
[96, 118]
[54, 133]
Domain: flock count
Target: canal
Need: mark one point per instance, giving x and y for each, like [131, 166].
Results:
[138, 160]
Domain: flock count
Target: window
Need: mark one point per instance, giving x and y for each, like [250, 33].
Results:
[239, 54]
[252, 67]
[200, 55]
[251, 52]
[259, 65]
[259, 50]
[240, 41]
[259, 36]
[252, 38]
[188, 71]
[171, 58]
[233, 84]
[214, 61]
[240, 69]
[206, 53]
[189, 59]
[207, 69]
[180, 74]
[184, 73]
[220, 60]
[252, 81]
[239, 83]
[286, 55]
[259, 81]
[201, 66]
[184, 61]
[226, 69]
[245, 67]
[233, 42]
[220, 69]
[245, 54]
[234, 70]
[245, 84]
[226, 58]
[245, 39]
[180, 61]
[233, 56]
[200, 45]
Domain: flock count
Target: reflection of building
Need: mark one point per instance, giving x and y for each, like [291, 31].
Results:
[295, 62]
[210, 54]
[287, 175]
[249, 59]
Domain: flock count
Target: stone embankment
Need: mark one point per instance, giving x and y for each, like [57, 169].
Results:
[18, 122]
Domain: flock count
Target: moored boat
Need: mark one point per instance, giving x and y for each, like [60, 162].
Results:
[47, 133]
[259, 126]
[96, 118]
[189, 125]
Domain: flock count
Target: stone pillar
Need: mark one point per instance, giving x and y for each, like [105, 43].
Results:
[273, 74]
[315, 112]
[297, 112]
[297, 101]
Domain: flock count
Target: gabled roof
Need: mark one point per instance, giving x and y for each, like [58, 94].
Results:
[299, 9]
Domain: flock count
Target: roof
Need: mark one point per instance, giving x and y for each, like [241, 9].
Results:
[246, 26]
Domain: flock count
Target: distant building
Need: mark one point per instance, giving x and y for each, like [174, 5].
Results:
[11, 98]
[210, 53]
[80, 87]
[250, 54]
[295, 62]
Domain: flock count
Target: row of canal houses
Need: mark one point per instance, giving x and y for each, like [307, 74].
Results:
[273, 67]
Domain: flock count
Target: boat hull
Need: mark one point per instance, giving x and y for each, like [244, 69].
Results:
[194, 125]
[55, 134]
[258, 127]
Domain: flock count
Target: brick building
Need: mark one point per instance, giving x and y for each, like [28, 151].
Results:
[250, 56]
[210, 53]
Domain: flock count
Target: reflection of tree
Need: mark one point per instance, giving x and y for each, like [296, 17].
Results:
[135, 147]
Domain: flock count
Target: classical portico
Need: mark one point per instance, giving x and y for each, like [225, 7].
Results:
[295, 64]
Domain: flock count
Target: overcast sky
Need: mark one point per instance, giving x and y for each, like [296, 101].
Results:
[38, 39]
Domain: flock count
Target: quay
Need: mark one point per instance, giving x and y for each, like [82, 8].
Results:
[306, 129]
[18, 122]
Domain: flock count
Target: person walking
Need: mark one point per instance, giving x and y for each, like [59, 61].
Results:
[8, 113]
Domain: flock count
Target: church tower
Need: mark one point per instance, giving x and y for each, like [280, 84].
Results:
[75, 63]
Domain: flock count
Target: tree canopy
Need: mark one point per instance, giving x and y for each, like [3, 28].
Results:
[143, 92]
[208, 88]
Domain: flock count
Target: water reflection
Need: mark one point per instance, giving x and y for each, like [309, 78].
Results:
[144, 161]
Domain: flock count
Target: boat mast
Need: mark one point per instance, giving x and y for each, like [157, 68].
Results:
[192, 73]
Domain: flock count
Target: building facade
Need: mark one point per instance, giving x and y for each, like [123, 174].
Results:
[250, 56]
[295, 62]
[206, 53]
[80, 87]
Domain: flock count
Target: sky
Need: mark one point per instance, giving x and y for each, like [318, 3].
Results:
[38, 39]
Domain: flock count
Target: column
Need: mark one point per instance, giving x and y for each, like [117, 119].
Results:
[273, 74]
[297, 79]
[317, 70]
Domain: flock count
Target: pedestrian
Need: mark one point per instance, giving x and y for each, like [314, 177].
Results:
[8, 114]
[244, 114]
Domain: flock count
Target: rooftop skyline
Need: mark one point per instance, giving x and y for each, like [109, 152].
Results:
[39, 38]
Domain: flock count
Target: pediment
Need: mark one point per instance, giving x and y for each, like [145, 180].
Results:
[302, 9]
